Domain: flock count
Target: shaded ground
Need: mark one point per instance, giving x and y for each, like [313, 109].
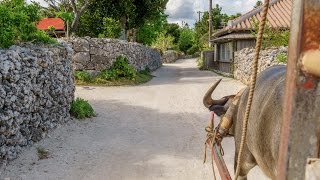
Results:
[152, 131]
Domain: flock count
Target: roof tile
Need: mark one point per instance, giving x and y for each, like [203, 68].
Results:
[279, 16]
[55, 22]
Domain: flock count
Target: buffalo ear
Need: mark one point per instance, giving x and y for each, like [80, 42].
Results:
[218, 109]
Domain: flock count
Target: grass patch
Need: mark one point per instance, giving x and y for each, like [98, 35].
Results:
[140, 79]
[200, 63]
[82, 76]
[81, 109]
[42, 153]
[120, 73]
[282, 58]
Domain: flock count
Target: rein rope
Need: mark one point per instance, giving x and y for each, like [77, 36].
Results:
[214, 137]
[252, 84]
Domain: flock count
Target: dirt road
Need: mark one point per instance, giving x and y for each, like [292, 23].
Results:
[152, 131]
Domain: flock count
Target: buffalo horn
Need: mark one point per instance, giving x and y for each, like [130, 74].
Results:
[207, 99]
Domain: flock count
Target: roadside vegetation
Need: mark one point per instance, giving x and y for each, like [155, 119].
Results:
[18, 21]
[120, 73]
[272, 37]
[200, 63]
[42, 153]
[81, 109]
[282, 58]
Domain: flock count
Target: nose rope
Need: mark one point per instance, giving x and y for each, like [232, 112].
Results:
[213, 138]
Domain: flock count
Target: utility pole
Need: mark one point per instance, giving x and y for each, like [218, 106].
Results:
[210, 22]
[199, 13]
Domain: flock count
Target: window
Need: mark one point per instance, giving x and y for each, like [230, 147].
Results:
[225, 52]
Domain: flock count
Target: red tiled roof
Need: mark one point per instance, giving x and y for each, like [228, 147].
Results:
[279, 16]
[56, 22]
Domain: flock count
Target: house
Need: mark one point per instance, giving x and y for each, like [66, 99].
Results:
[57, 23]
[238, 33]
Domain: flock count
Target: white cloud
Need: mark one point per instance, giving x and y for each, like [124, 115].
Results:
[42, 2]
[186, 10]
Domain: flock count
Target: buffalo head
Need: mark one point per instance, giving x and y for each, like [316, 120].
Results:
[225, 107]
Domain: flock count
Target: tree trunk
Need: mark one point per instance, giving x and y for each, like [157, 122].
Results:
[68, 26]
[124, 28]
[77, 14]
[75, 22]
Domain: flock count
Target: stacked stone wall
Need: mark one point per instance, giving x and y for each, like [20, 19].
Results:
[36, 92]
[96, 54]
[243, 61]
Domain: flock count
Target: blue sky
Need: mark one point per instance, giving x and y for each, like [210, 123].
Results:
[186, 10]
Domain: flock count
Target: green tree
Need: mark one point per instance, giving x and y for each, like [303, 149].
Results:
[111, 28]
[219, 20]
[151, 29]
[173, 30]
[67, 18]
[272, 37]
[234, 16]
[163, 42]
[186, 39]
[77, 8]
[258, 3]
[130, 13]
[18, 21]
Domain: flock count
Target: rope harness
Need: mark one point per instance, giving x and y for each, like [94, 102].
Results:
[253, 83]
[214, 138]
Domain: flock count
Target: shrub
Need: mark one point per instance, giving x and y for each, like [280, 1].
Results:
[80, 109]
[272, 37]
[18, 23]
[83, 76]
[119, 69]
[147, 71]
[107, 74]
[193, 50]
[200, 63]
[282, 58]
[122, 69]
[42, 153]
[120, 73]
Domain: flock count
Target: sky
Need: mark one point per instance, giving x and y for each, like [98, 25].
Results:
[186, 10]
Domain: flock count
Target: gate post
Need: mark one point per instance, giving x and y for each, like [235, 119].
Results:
[301, 108]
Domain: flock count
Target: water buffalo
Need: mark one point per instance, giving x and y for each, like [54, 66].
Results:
[263, 135]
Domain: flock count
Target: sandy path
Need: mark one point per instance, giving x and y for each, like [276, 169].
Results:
[152, 131]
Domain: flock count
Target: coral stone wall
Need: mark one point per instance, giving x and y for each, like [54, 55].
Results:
[243, 61]
[98, 54]
[36, 91]
[170, 56]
